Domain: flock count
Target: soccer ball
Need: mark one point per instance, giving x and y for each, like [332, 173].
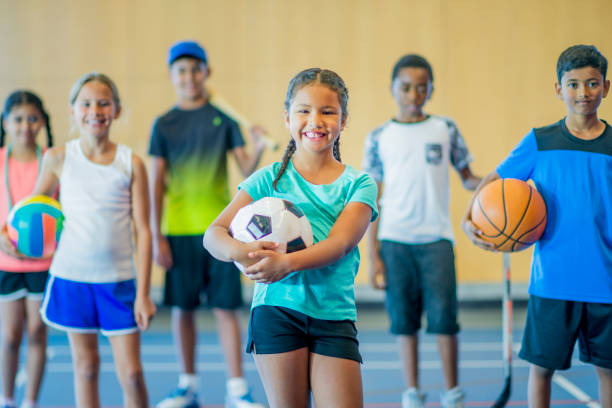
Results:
[275, 220]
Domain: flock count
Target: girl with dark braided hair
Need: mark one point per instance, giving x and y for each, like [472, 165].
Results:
[302, 327]
[22, 119]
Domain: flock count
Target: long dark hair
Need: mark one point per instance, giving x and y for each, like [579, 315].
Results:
[302, 79]
[23, 97]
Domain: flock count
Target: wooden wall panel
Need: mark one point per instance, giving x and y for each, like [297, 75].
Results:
[494, 63]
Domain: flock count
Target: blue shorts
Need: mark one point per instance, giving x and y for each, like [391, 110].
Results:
[276, 329]
[420, 277]
[82, 307]
[554, 325]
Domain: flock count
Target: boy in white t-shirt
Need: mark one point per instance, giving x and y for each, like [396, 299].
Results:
[410, 245]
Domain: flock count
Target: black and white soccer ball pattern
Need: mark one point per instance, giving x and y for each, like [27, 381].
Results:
[273, 219]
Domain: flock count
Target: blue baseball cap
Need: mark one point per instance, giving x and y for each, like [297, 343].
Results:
[186, 49]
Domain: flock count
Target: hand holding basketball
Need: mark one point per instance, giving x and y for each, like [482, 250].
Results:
[509, 215]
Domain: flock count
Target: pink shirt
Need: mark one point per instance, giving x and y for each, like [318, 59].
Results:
[22, 179]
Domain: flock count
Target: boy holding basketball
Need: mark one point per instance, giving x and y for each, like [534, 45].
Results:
[571, 275]
[189, 148]
[411, 251]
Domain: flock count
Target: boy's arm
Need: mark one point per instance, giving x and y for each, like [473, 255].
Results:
[161, 248]
[144, 309]
[469, 180]
[467, 225]
[460, 158]
[248, 161]
[378, 276]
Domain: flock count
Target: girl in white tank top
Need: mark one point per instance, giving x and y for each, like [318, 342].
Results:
[96, 243]
[104, 196]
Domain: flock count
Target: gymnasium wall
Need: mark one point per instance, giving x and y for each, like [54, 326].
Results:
[494, 66]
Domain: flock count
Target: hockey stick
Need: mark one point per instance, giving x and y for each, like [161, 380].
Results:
[225, 106]
[504, 396]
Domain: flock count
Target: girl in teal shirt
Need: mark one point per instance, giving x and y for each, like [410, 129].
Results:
[302, 328]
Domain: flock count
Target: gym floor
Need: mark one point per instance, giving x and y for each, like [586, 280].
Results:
[481, 364]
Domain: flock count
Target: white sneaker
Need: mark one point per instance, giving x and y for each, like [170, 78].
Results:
[180, 398]
[413, 398]
[243, 401]
[453, 398]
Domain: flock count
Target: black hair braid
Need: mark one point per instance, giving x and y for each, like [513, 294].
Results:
[48, 128]
[288, 153]
[2, 131]
[336, 149]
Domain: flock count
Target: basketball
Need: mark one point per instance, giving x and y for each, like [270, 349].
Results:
[510, 213]
[34, 226]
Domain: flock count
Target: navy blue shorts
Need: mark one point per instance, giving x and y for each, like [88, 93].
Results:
[17, 285]
[82, 307]
[553, 326]
[420, 277]
[195, 271]
[275, 329]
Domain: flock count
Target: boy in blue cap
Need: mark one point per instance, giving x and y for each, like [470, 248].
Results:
[189, 147]
[570, 289]
[411, 244]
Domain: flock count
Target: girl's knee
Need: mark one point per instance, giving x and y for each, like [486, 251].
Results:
[88, 368]
[133, 381]
[11, 340]
[37, 334]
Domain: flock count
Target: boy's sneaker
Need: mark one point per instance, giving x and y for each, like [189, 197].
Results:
[453, 398]
[243, 401]
[180, 398]
[413, 398]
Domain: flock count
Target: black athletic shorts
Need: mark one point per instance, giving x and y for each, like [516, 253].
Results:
[16, 285]
[420, 278]
[194, 271]
[553, 326]
[275, 329]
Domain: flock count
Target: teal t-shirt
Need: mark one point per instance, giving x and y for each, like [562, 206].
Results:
[326, 293]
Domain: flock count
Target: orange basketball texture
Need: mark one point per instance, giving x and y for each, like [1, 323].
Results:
[510, 213]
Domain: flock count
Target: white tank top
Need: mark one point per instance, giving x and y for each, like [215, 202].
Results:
[96, 244]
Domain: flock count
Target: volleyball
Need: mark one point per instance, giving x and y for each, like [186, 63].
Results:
[34, 226]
